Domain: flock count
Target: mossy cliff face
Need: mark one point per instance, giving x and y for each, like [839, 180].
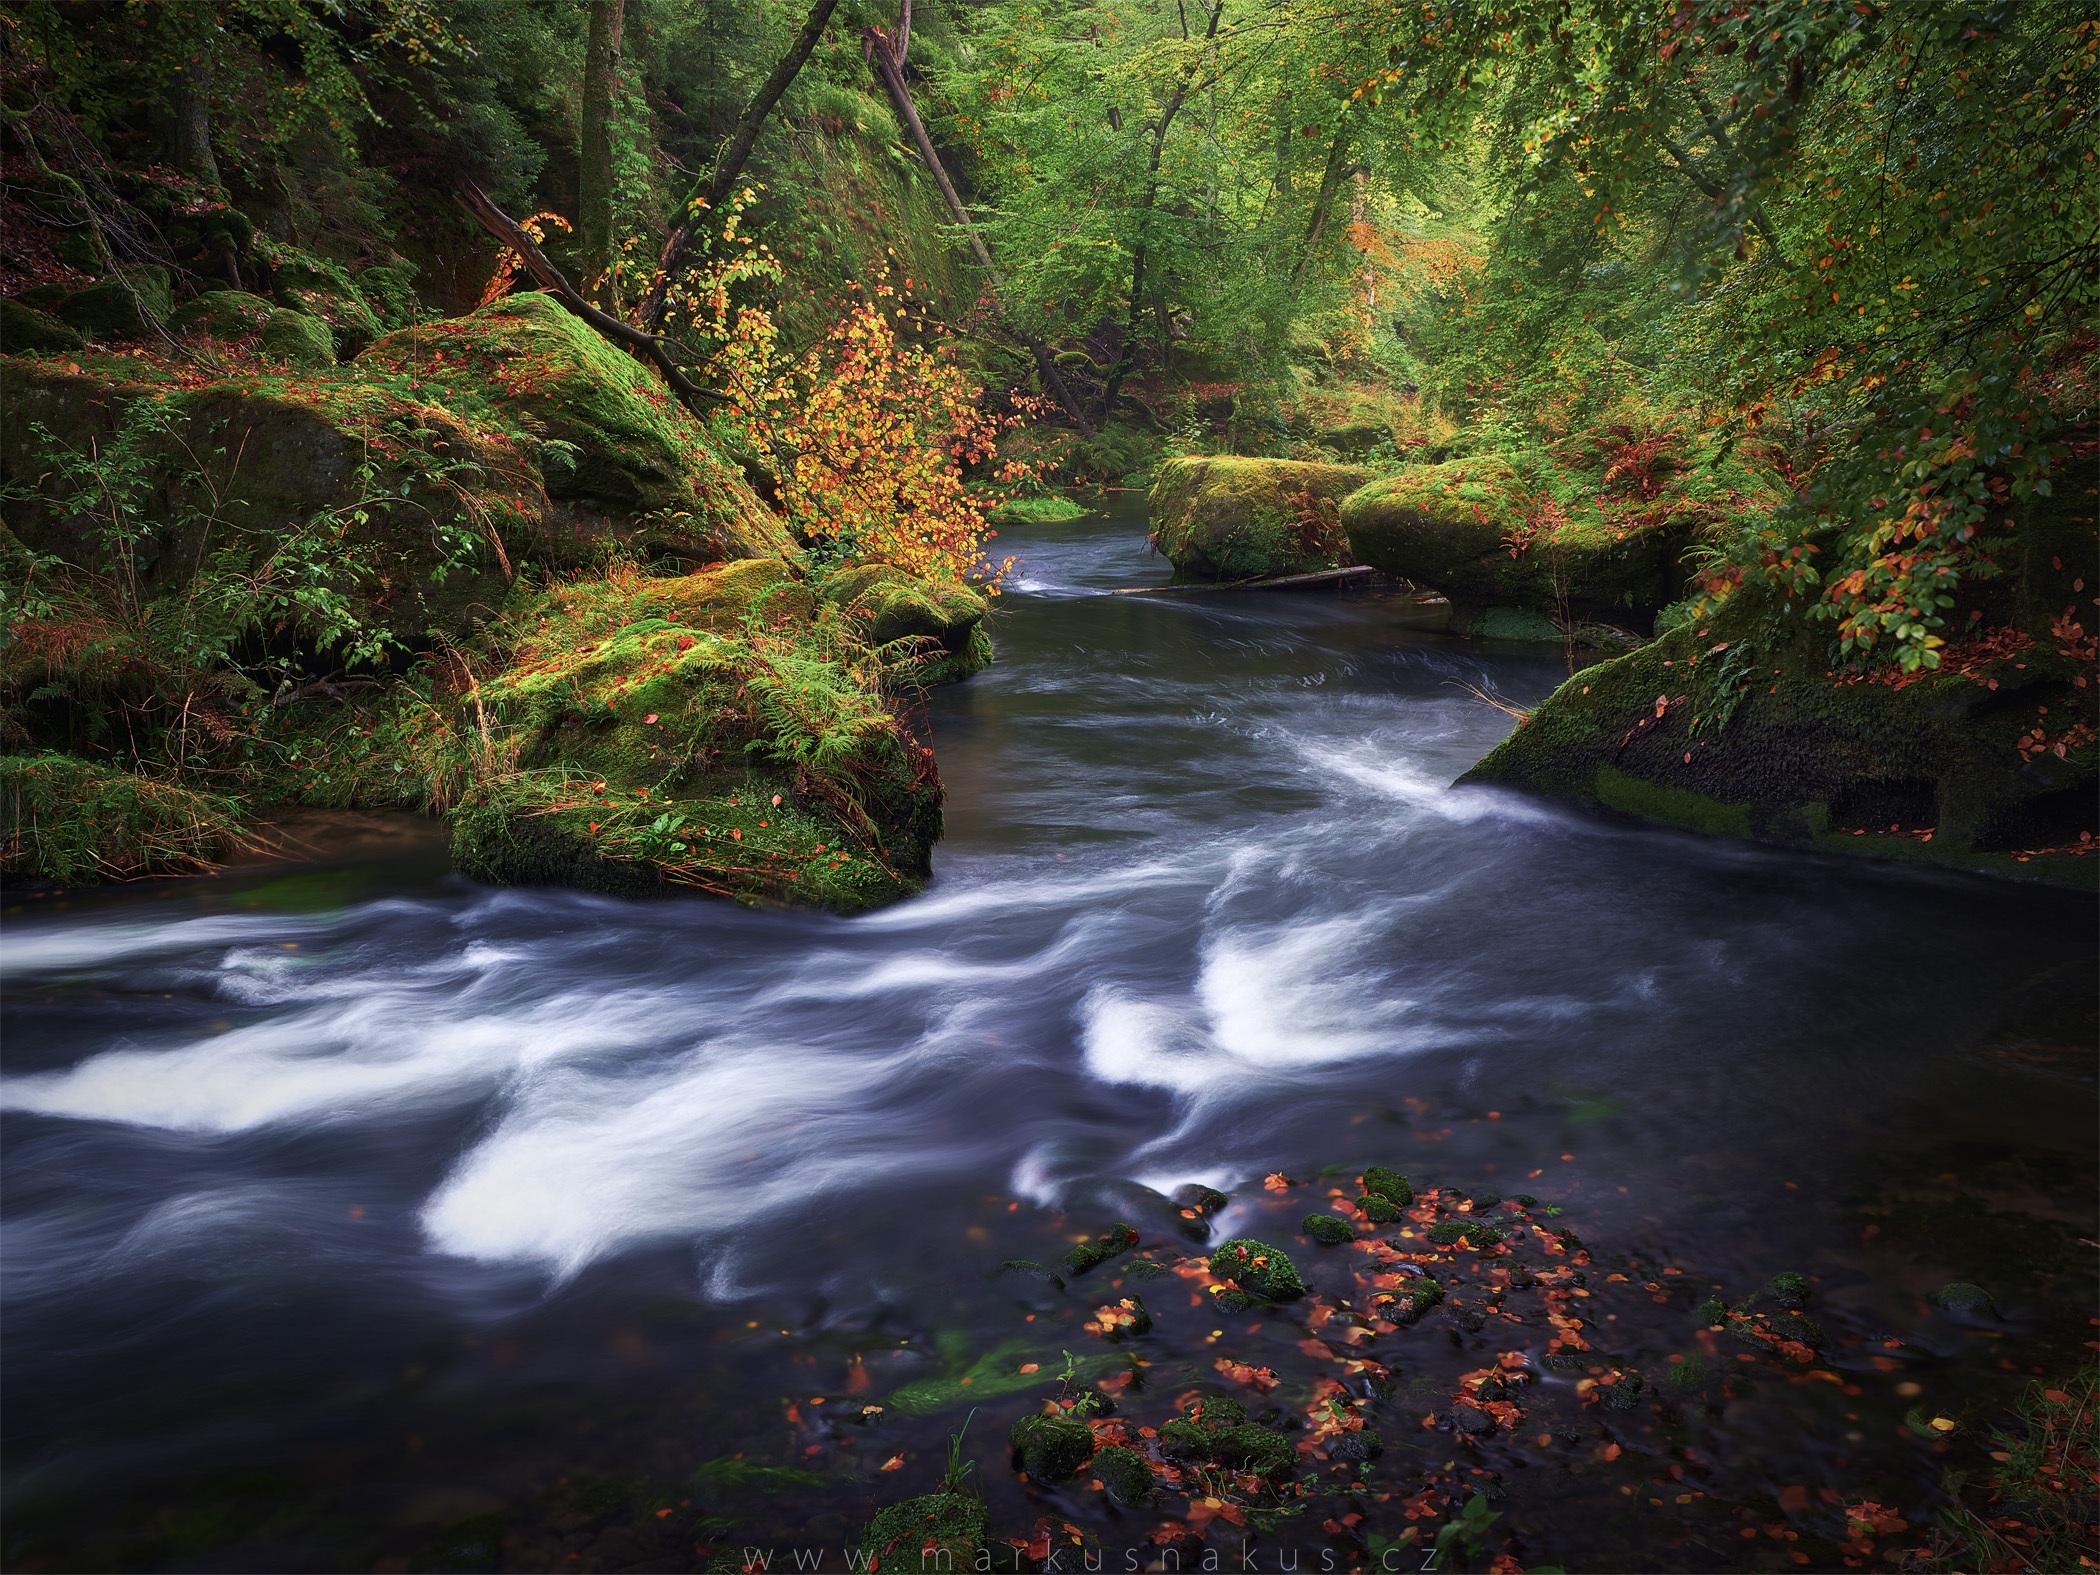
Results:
[726, 730]
[1468, 529]
[1988, 764]
[1236, 518]
[445, 457]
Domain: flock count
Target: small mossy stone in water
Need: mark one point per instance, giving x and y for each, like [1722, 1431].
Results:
[1361, 1445]
[1182, 1439]
[1231, 1299]
[1417, 1297]
[1248, 1446]
[1971, 1301]
[297, 338]
[1713, 1312]
[1625, 1395]
[1326, 1229]
[1486, 1201]
[1526, 1200]
[1521, 1278]
[1390, 1185]
[1691, 1373]
[1092, 1254]
[1378, 1210]
[1258, 1269]
[1124, 1474]
[1471, 1419]
[1204, 1200]
[27, 331]
[941, 1531]
[1789, 1290]
[1051, 1447]
[1474, 1233]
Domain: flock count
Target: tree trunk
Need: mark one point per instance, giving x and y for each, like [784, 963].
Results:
[730, 165]
[1323, 205]
[601, 66]
[193, 155]
[889, 71]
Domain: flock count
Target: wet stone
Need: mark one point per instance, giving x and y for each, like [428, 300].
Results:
[1327, 1229]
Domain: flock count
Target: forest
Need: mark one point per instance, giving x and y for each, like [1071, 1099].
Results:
[1620, 474]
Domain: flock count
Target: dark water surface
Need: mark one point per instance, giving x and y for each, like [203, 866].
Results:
[348, 1206]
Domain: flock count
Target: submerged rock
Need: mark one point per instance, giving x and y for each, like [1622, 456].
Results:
[1970, 1301]
[1239, 518]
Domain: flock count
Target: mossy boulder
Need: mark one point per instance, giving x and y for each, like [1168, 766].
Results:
[26, 331]
[1050, 1447]
[1738, 726]
[1089, 1255]
[297, 339]
[1223, 518]
[611, 444]
[942, 1532]
[1258, 1269]
[718, 730]
[119, 307]
[226, 314]
[928, 633]
[1474, 530]
[302, 282]
[389, 290]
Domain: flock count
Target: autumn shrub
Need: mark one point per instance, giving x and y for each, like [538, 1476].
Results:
[72, 820]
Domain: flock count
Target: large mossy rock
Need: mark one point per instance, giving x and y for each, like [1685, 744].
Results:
[717, 730]
[26, 331]
[225, 314]
[1738, 726]
[119, 307]
[297, 339]
[1228, 518]
[323, 290]
[1470, 529]
[608, 438]
[447, 458]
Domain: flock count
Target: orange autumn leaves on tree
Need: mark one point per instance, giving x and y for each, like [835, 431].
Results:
[879, 429]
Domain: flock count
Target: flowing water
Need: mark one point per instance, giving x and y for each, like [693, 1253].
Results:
[352, 1204]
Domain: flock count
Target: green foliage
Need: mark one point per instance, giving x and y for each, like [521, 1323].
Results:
[72, 820]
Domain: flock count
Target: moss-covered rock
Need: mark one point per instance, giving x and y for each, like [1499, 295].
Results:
[1473, 530]
[297, 339]
[1258, 1269]
[609, 441]
[323, 290]
[939, 1532]
[1969, 1301]
[1050, 1447]
[389, 290]
[1379, 1210]
[1089, 1255]
[1327, 1229]
[1390, 1185]
[1789, 1289]
[715, 730]
[1739, 727]
[226, 314]
[1356, 1446]
[1125, 1474]
[119, 307]
[928, 634]
[26, 331]
[1239, 518]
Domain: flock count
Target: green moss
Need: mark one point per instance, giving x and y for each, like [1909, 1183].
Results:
[1672, 806]
[1511, 623]
[1239, 518]
[1474, 1233]
[71, 820]
[1377, 1209]
[1789, 1289]
[1416, 1297]
[1051, 1448]
[227, 314]
[1125, 1474]
[323, 291]
[1389, 1184]
[1248, 1446]
[1258, 1269]
[1090, 1255]
[1327, 1230]
[119, 308]
[939, 1533]
[926, 633]
[297, 338]
[1049, 509]
[26, 331]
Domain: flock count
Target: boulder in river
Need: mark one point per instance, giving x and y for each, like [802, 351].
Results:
[1230, 518]
[1737, 723]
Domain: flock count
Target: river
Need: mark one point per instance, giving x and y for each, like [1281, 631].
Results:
[353, 1208]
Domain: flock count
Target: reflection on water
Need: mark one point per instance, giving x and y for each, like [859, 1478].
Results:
[302, 1168]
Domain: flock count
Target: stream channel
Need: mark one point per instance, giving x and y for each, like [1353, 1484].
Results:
[357, 1216]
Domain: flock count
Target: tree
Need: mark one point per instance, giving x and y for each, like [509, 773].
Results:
[594, 186]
